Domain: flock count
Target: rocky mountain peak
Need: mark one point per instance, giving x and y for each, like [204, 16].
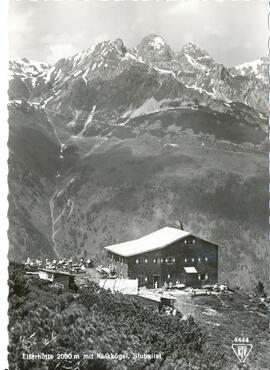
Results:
[154, 48]
[194, 50]
[154, 40]
[120, 47]
[194, 53]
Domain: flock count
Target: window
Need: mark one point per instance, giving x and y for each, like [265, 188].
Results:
[142, 279]
[203, 276]
[206, 259]
[185, 241]
[193, 241]
[169, 276]
[170, 260]
[186, 260]
[161, 260]
[192, 259]
[50, 276]
[199, 259]
[141, 260]
[155, 261]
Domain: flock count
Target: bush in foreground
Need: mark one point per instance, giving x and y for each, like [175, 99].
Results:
[96, 321]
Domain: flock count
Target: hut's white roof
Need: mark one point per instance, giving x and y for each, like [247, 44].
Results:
[55, 272]
[190, 270]
[156, 240]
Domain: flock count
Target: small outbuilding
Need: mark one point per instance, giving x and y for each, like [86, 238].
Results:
[63, 278]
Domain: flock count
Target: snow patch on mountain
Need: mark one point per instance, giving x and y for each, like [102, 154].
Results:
[88, 120]
[256, 68]
[27, 67]
[27, 70]
[157, 43]
[76, 114]
[85, 74]
[194, 62]
[149, 106]
[165, 71]
[77, 73]
[129, 56]
[250, 66]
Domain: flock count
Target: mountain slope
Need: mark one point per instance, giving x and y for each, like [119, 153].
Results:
[120, 142]
[33, 151]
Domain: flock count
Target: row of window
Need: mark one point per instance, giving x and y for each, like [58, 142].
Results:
[196, 259]
[170, 260]
[142, 279]
[116, 258]
[189, 241]
[158, 260]
[202, 276]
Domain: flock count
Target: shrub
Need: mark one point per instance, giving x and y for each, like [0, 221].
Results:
[98, 321]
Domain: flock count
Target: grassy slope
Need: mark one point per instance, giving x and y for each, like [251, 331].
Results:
[128, 188]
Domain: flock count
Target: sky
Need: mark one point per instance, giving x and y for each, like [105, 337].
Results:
[232, 31]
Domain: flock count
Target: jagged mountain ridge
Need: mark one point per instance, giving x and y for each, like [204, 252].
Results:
[192, 66]
[130, 125]
[23, 75]
[256, 68]
[116, 81]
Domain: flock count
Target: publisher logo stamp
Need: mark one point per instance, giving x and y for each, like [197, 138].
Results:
[242, 348]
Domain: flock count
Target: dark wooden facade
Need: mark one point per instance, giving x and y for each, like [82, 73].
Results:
[167, 265]
[59, 277]
[66, 280]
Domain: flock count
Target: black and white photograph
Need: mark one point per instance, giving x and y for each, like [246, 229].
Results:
[138, 185]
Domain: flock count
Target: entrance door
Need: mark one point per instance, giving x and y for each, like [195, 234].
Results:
[192, 280]
[156, 281]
